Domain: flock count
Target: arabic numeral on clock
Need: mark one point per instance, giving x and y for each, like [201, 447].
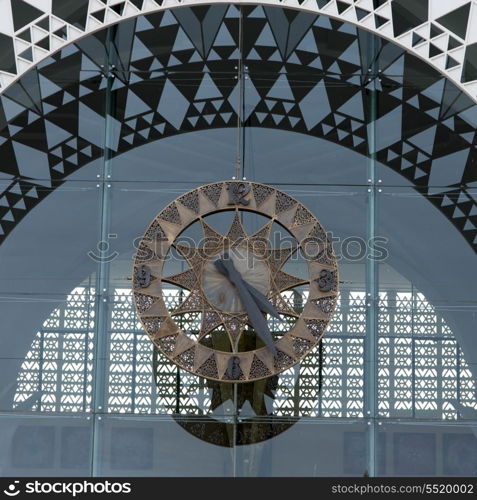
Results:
[326, 281]
[237, 193]
[143, 276]
[233, 368]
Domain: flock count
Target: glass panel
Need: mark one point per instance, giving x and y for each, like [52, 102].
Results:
[425, 125]
[52, 121]
[133, 207]
[47, 297]
[159, 447]
[271, 158]
[34, 446]
[303, 75]
[427, 309]
[51, 138]
[310, 448]
[170, 78]
[51, 245]
[429, 449]
[47, 360]
[338, 371]
[205, 156]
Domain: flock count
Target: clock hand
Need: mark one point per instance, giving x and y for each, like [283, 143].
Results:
[226, 267]
[262, 302]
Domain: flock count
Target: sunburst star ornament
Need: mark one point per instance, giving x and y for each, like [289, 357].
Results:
[235, 286]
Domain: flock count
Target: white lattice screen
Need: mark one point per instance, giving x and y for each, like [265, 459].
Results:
[420, 366]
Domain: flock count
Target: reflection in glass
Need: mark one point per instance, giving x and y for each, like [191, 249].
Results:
[156, 98]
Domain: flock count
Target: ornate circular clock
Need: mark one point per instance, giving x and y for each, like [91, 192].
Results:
[240, 316]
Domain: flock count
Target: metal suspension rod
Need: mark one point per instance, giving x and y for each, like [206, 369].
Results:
[240, 98]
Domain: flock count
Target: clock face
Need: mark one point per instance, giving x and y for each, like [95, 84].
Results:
[235, 313]
[221, 293]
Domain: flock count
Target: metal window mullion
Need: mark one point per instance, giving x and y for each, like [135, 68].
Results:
[344, 380]
[41, 362]
[239, 173]
[134, 374]
[102, 276]
[86, 349]
[372, 289]
[345, 299]
[458, 371]
[59, 372]
[413, 354]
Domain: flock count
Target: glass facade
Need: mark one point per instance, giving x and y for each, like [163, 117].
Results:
[98, 138]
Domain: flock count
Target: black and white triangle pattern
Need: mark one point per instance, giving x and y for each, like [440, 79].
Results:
[444, 33]
[315, 80]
